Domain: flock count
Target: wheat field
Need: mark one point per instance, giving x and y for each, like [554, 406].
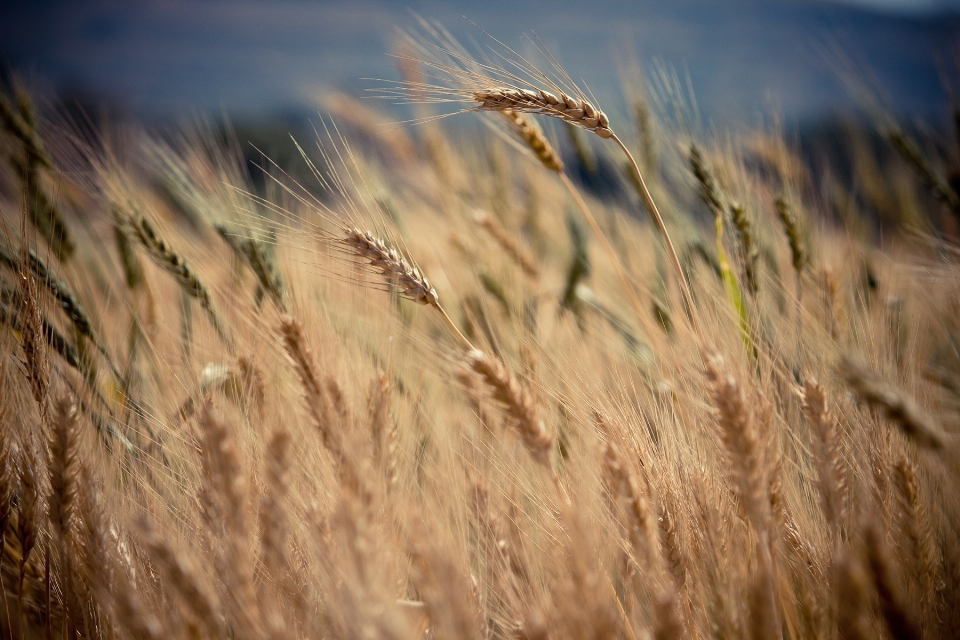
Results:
[434, 385]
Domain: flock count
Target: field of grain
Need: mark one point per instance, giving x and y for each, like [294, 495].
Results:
[562, 376]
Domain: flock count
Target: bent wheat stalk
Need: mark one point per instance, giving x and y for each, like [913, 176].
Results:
[517, 86]
[398, 272]
[583, 114]
[550, 159]
[508, 243]
[521, 410]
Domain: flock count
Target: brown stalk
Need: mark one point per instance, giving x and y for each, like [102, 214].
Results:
[535, 139]
[581, 113]
[828, 454]
[623, 484]
[521, 409]
[893, 605]
[398, 272]
[178, 572]
[917, 530]
[508, 243]
[897, 406]
[228, 488]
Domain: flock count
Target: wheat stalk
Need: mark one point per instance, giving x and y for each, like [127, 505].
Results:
[487, 87]
[178, 571]
[582, 114]
[508, 243]
[63, 467]
[535, 139]
[828, 454]
[174, 264]
[898, 407]
[916, 527]
[791, 227]
[395, 269]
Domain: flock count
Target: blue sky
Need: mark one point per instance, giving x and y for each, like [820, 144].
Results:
[250, 57]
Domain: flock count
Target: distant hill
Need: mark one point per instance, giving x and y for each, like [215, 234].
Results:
[252, 57]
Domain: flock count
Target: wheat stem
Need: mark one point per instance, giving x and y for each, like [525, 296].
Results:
[609, 250]
[648, 199]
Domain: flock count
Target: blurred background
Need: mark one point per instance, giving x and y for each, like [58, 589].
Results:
[258, 60]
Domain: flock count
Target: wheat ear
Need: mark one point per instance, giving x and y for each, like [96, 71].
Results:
[179, 572]
[671, 538]
[583, 114]
[741, 439]
[852, 599]
[898, 407]
[623, 483]
[893, 605]
[508, 243]
[27, 514]
[710, 194]
[791, 227]
[579, 113]
[63, 467]
[227, 485]
[521, 409]
[911, 154]
[535, 139]
[251, 252]
[32, 342]
[916, 527]
[175, 265]
[828, 455]
[751, 472]
[326, 406]
[398, 272]
[668, 625]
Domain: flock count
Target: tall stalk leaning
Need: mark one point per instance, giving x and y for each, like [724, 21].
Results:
[492, 87]
[551, 160]
[581, 113]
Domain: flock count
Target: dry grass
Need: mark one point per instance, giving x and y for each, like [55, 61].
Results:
[538, 457]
